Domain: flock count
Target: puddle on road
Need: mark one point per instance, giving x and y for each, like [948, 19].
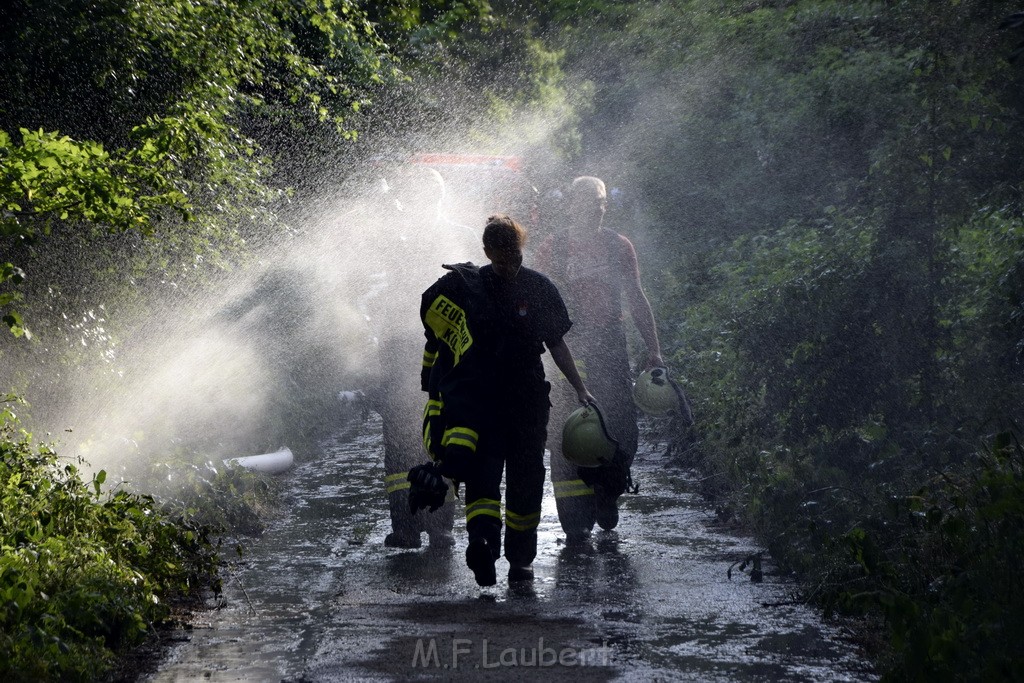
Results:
[318, 597]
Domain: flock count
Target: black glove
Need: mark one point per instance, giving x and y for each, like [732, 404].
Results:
[427, 489]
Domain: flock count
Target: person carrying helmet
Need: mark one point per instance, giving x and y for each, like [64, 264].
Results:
[414, 237]
[596, 268]
[487, 412]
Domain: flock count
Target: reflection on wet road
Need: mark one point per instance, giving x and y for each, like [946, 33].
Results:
[319, 598]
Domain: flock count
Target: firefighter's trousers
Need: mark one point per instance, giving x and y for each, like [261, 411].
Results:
[515, 445]
[603, 364]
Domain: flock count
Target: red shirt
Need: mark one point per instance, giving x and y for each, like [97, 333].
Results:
[591, 270]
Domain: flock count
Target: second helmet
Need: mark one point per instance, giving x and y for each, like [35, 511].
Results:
[655, 394]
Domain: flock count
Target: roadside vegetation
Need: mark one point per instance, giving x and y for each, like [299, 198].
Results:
[834, 189]
[136, 144]
[85, 574]
[90, 567]
[826, 198]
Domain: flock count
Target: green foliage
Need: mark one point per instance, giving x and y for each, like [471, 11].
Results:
[537, 108]
[481, 77]
[834, 192]
[54, 177]
[155, 118]
[410, 27]
[818, 417]
[84, 574]
[947, 581]
[754, 115]
[50, 178]
[216, 496]
[15, 276]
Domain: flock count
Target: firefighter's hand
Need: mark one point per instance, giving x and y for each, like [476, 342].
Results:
[427, 488]
[586, 398]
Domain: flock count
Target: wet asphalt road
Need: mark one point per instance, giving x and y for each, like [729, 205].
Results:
[319, 598]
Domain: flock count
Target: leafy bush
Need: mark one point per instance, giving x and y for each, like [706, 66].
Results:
[84, 574]
[220, 497]
[844, 435]
[942, 566]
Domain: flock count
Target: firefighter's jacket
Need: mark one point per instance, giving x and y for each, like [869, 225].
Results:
[460, 323]
[482, 361]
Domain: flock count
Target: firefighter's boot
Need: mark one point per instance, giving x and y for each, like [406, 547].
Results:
[520, 572]
[606, 509]
[480, 559]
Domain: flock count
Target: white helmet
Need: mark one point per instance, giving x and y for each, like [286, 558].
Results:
[585, 441]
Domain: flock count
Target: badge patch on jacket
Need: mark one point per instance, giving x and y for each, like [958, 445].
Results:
[522, 308]
[449, 325]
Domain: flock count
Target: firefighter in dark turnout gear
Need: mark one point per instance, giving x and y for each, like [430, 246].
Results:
[487, 410]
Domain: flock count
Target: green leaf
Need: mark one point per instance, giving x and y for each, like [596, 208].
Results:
[13, 320]
[98, 479]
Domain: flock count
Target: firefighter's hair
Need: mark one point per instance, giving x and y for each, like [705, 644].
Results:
[502, 233]
[588, 187]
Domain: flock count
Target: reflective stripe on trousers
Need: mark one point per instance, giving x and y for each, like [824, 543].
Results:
[571, 488]
[396, 482]
[518, 522]
[484, 506]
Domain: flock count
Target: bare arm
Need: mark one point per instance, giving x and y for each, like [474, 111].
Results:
[640, 310]
[562, 356]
